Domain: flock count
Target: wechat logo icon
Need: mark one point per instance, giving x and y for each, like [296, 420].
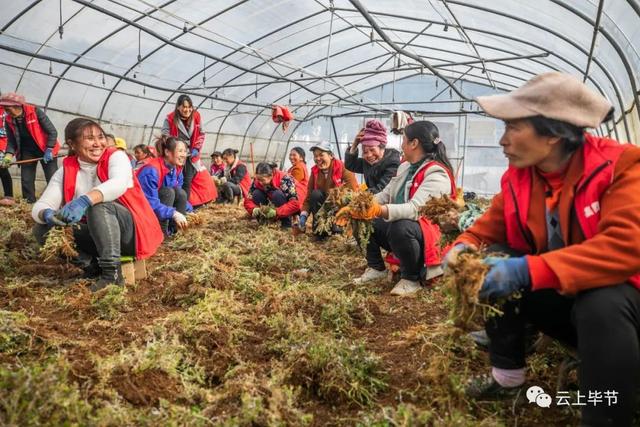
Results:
[537, 395]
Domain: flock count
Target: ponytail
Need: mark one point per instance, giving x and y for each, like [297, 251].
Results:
[429, 136]
[230, 152]
[169, 143]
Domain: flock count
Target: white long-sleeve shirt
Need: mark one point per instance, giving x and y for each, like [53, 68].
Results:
[120, 180]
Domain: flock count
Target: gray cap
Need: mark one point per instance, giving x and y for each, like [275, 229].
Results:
[323, 146]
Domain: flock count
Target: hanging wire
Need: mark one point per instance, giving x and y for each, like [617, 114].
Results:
[60, 27]
[185, 29]
[289, 93]
[103, 80]
[50, 67]
[255, 94]
[204, 70]
[139, 45]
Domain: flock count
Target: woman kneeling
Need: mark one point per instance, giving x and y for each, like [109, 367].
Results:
[96, 188]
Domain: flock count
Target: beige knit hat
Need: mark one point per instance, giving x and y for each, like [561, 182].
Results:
[553, 95]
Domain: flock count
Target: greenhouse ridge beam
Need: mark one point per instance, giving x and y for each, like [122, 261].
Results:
[363, 11]
[596, 30]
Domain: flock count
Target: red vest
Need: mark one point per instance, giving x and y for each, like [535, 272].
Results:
[34, 128]
[161, 168]
[289, 208]
[196, 136]
[149, 236]
[203, 190]
[245, 184]
[600, 158]
[3, 139]
[431, 232]
[336, 177]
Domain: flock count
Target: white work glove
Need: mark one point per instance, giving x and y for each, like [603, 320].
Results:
[180, 220]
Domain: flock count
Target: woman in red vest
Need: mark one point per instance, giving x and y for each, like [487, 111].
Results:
[5, 176]
[397, 224]
[96, 184]
[236, 180]
[298, 170]
[161, 182]
[273, 186]
[569, 216]
[185, 123]
[327, 173]
[30, 135]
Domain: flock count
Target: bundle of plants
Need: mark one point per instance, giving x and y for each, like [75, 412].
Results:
[337, 198]
[263, 212]
[59, 243]
[196, 219]
[440, 209]
[361, 203]
[462, 282]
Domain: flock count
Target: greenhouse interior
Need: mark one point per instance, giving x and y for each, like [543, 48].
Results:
[253, 317]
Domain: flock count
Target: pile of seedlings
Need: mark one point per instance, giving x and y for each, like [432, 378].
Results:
[59, 244]
[337, 198]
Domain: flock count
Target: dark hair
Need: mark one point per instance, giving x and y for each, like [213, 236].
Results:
[110, 135]
[179, 102]
[265, 168]
[427, 133]
[230, 152]
[301, 152]
[572, 136]
[169, 143]
[216, 154]
[75, 128]
[144, 149]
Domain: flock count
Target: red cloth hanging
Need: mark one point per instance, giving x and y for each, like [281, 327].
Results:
[281, 114]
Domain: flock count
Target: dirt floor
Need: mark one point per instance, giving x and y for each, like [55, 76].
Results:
[238, 324]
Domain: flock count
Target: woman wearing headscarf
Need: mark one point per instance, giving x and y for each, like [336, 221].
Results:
[397, 224]
[30, 135]
[378, 165]
[96, 189]
[569, 215]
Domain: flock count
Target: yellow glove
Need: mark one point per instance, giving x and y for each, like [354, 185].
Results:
[342, 217]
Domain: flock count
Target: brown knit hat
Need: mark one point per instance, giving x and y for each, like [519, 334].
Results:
[553, 95]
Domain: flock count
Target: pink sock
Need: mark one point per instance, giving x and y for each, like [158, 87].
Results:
[509, 378]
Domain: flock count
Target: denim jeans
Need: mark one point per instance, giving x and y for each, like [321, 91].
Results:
[276, 197]
[174, 197]
[107, 235]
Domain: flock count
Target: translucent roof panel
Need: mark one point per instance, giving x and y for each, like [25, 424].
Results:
[126, 61]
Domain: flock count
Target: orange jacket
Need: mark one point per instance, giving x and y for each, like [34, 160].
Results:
[611, 257]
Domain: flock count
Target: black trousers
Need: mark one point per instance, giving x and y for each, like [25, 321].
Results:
[404, 239]
[276, 197]
[188, 172]
[107, 235]
[28, 175]
[602, 324]
[228, 191]
[175, 197]
[7, 182]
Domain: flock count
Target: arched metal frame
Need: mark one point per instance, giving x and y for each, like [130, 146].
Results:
[303, 86]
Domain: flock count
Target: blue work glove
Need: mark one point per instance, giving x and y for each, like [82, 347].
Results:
[194, 152]
[49, 217]
[303, 220]
[507, 276]
[73, 211]
[48, 155]
[451, 256]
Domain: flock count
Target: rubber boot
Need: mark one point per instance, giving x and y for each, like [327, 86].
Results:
[111, 275]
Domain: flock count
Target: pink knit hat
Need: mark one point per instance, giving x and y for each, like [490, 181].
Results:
[375, 133]
[11, 99]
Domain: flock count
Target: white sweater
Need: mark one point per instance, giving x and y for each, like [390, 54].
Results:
[120, 180]
[436, 183]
